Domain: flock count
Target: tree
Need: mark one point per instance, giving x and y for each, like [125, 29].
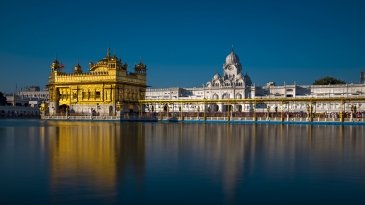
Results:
[2, 99]
[328, 80]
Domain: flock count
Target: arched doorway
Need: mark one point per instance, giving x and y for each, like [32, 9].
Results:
[213, 108]
[62, 109]
[131, 108]
[227, 108]
[225, 96]
[110, 110]
[165, 108]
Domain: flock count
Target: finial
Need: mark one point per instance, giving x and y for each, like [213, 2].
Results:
[232, 48]
[108, 53]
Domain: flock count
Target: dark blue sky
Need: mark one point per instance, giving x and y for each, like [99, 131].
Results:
[185, 42]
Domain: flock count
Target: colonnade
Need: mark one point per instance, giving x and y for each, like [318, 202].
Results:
[278, 109]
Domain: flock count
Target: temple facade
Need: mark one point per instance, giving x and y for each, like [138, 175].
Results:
[104, 89]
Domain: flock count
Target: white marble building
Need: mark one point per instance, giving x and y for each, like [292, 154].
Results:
[233, 84]
[31, 96]
[236, 85]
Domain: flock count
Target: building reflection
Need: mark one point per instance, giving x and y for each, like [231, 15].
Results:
[234, 154]
[130, 152]
[94, 156]
[109, 159]
[219, 151]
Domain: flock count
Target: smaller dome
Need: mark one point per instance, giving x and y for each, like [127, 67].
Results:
[239, 76]
[140, 66]
[216, 76]
[77, 68]
[56, 62]
[56, 65]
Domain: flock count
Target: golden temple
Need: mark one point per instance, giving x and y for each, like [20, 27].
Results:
[105, 89]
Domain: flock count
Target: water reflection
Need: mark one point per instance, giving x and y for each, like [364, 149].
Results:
[221, 152]
[233, 155]
[90, 158]
[111, 163]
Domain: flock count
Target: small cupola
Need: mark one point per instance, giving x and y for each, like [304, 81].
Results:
[140, 68]
[77, 69]
[56, 65]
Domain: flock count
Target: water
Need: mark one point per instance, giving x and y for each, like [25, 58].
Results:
[50, 162]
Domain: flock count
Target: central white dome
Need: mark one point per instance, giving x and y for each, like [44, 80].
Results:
[232, 58]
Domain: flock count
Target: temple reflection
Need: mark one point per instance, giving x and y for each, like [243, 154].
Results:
[95, 156]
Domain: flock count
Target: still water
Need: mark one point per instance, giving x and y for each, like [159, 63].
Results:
[50, 162]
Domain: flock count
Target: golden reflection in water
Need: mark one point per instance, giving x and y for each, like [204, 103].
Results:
[83, 154]
[95, 156]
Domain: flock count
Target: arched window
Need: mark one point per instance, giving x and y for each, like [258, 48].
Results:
[225, 95]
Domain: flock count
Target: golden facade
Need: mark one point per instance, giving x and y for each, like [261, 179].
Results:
[105, 89]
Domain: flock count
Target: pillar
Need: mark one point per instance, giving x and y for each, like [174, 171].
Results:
[220, 107]
[254, 112]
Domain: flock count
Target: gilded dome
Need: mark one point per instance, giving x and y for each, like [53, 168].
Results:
[55, 64]
[77, 69]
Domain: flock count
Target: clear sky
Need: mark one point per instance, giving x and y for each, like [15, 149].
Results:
[184, 43]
